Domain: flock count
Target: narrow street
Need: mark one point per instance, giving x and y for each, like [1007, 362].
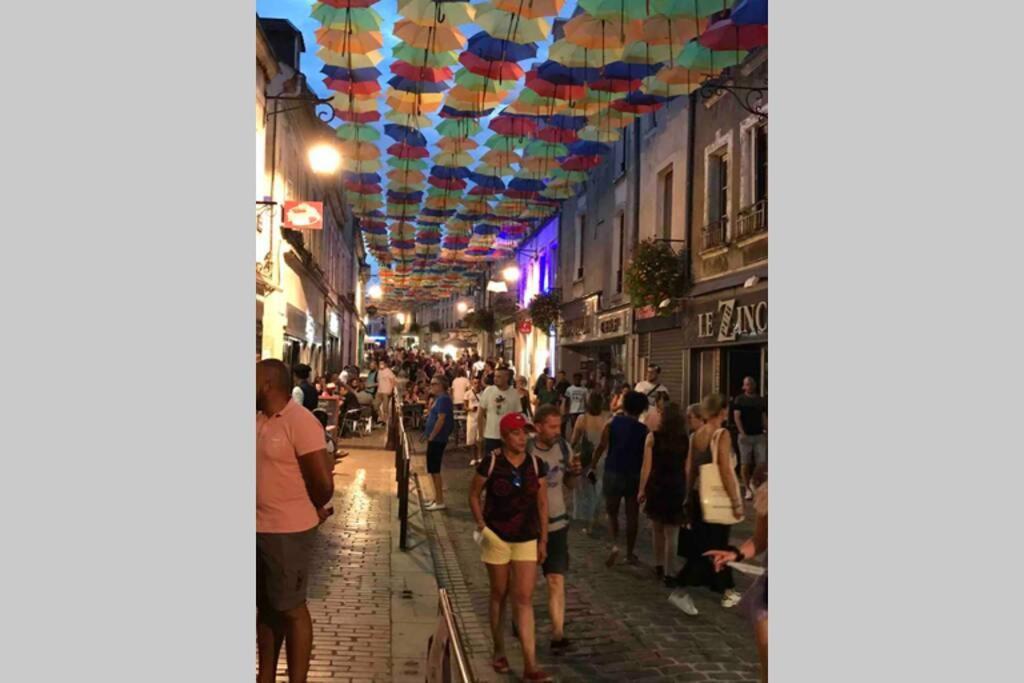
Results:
[619, 620]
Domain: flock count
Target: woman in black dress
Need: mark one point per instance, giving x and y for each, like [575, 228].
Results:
[663, 484]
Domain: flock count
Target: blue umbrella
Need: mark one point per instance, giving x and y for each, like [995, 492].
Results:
[750, 12]
[410, 136]
[399, 83]
[559, 74]
[355, 75]
[360, 178]
[470, 216]
[489, 181]
[496, 49]
[566, 122]
[449, 172]
[452, 113]
[526, 185]
[405, 196]
[589, 149]
[486, 229]
[438, 212]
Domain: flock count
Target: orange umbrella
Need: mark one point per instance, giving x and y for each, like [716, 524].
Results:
[457, 144]
[362, 151]
[343, 41]
[531, 9]
[586, 31]
[498, 158]
[436, 38]
[662, 30]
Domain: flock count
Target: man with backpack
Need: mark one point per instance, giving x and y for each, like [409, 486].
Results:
[652, 388]
[564, 469]
[304, 393]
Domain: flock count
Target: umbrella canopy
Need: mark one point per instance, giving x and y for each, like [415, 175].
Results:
[370, 74]
[688, 8]
[511, 25]
[414, 55]
[346, 42]
[699, 58]
[428, 12]
[663, 30]
[344, 18]
[420, 73]
[349, 60]
[409, 136]
[499, 49]
[750, 12]
[494, 69]
[725, 34]
[357, 131]
[570, 54]
[458, 127]
[590, 32]
[406, 85]
[434, 38]
[515, 126]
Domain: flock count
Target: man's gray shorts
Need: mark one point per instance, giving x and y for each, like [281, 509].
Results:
[753, 449]
[282, 569]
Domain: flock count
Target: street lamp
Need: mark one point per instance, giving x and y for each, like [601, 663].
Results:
[400, 317]
[324, 159]
[375, 292]
[461, 307]
[511, 274]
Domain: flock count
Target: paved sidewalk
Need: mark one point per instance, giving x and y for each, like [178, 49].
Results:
[373, 606]
[620, 621]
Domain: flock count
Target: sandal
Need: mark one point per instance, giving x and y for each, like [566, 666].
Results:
[501, 665]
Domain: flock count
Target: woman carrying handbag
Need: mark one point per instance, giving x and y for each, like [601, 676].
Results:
[713, 504]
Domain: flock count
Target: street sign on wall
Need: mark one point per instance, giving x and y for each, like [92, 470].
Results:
[303, 215]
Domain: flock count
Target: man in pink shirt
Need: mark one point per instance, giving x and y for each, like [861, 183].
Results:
[292, 482]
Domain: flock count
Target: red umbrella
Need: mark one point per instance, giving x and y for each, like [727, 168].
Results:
[447, 183]
[403, 151]
[353, 87]
[554, 90]
[358, 188]
[481, 191]
[555, 134]
[514, 126]
[521, 194]
[423, 74]
[357, 117]
[616, 85]
[502, 71]
[350, 4]
[724, 35]
[581, 163]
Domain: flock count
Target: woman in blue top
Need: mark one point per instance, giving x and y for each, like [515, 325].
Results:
[623, 439]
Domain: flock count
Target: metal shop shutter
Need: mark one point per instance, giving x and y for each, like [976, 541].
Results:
[666, 350]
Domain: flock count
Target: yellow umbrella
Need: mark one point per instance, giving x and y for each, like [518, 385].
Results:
[407, 177]
[553, 107]
[425, 98]
[457, 144]
[349, 60]
[412, 107]
[361, 166]
[653, 86]
[453, 159]
[435, 38]
[586, 31]
[510, 25]
[344, 102]
[677, 75]
[640, 52]
[344, 41]
[576, 56]
[410, 120]
[425, 12]
[662, 30]
[363, 151]
[501, 158]
[596, 134]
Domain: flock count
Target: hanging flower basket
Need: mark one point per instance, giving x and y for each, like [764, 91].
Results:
[655, 274]
[505, 307]
[480, 320]
[544, 310]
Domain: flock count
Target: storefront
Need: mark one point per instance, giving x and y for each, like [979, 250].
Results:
[596, 343]
[303, 339]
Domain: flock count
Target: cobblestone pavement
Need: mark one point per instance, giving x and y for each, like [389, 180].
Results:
[619, 620]
[350, 583]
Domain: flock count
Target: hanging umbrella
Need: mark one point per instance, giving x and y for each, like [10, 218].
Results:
[539, 148]
[352, 88]
[641, 52]
[462, 97]
[511, 25]
[513, 126]
[547, 89]
[699, 58]
[538, 165]
[357, 117]
[590, 32]
[411, 120]
[600, 134]
[409, 136]
[362, 151]
[639, 103]
[748, 12]
[453, 159]
[407, 164]
[414, 55]
[662, 30]
[370, 74]
[354, 19]
[447, 184]
[494, 69]
[555, 134]
[479, 83]
[355, 103]
[346, 42]
[531, 9]
[724, 34]
[420, 73]
[499, 49]
[458, 127]
[572, 55]
[357, 131]
[623, 10]
[688, 8]
[453, 144]
[436, 38]
[589, 148]
[404, 151]
[346, 4]
[428, 12]
[349, 60]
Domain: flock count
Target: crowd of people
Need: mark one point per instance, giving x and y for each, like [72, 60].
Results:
[548, 455]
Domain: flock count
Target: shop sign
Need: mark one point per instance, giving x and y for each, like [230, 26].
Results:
[303, 215]
[645, 313]
[613, 324]
[732, 320]
[578, 329]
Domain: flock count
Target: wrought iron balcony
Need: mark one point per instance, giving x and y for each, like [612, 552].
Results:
[753, 220]
[714, 234]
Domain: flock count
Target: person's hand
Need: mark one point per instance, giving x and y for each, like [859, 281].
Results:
[542, 551]
[324, 513]
[641, 498]
[480, 526]
[737, 510]
[719, 558]
[575, 467]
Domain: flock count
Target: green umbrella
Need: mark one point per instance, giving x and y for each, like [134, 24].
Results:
[617, 9]
[506, 143]
[571, 176]
[458, 128]
[539, 148]
[687, 8]
[417, 164]
[363, 19]
[698, 58]
[478, 83]
[419, 57]
[357, 131]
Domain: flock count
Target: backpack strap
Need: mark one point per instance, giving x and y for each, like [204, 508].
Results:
[564, 445]
[490, 469]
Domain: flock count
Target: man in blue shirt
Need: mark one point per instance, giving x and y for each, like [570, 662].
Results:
[440, 423]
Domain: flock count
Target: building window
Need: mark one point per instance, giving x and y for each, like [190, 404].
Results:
[716, 232]
[581, 232]
[665, 188]
[760, 147]
[620, 250]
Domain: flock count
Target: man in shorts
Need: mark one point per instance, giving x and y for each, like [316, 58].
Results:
[563, 470]
[293, 482]
[440, 423]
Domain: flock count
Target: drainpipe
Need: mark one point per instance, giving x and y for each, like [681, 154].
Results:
[691, 142]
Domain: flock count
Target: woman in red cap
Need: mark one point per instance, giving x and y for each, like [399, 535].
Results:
[512, 529]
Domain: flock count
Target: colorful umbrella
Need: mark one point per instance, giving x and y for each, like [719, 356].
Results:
[623, 10]
[409, 136]
[688, 8]
[699, 58]
[750, 12]
[355, 19]
[570, 54]
[420, 73]
[414, 55]
[346, 42]
[724, 34]
[499, 49]
[510, 25]
[349, 60]
[435, 38]
[492, 69]
[428, 12]
[357, 131]
[591, 32]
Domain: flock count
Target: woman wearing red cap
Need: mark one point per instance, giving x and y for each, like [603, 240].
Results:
[512, 528]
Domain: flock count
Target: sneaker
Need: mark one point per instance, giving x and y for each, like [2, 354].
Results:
[432, 506]
[684, 602]
[731, 599]
[749, 495]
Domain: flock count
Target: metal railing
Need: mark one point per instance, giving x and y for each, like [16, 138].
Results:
[753, 220]
[714, 234]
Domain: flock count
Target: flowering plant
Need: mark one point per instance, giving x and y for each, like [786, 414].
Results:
[544, 309]
[656, 273]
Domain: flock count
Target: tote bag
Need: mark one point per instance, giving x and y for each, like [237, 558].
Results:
[714, 499]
